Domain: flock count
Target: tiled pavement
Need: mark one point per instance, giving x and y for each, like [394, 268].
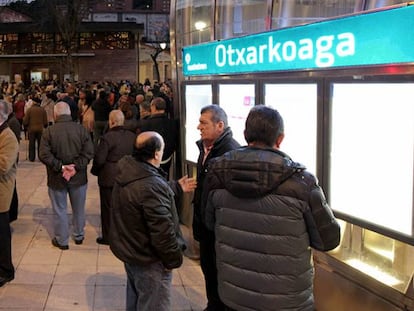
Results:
[86, 277]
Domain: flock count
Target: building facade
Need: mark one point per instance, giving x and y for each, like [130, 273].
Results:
[114, 41]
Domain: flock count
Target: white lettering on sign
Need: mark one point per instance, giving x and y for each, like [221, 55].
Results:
[324, 50]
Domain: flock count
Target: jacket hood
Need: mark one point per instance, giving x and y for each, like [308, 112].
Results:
[133, 170]
[251, 172]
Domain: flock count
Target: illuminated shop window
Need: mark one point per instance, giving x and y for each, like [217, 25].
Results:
[106, 40]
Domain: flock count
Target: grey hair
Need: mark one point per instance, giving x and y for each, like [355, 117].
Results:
[117, 117]
[217, 114]
[61, 108]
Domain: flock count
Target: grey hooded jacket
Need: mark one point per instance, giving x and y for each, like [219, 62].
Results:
[267, 212]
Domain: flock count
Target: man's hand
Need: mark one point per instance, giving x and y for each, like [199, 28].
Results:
[68, 171]
[187, 184]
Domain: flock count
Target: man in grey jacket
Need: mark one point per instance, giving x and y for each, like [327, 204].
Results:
[267, 212]
[66, 149]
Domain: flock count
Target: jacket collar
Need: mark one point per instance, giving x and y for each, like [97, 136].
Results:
[64, 118]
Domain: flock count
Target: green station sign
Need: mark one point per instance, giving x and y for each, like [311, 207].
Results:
[373, 38]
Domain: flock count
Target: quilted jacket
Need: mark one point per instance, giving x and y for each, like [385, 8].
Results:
[267, 212]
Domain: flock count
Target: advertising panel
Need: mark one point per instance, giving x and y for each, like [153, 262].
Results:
[237, 100]
[371, 173]
[196, 97]
[297, 104]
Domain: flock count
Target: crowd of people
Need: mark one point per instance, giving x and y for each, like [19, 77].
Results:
[257, 213]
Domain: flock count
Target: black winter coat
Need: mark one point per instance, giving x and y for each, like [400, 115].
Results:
[144, 220]
[266, 211]
[223, 144]
[65, 142]
[166, 127]
[115, 144]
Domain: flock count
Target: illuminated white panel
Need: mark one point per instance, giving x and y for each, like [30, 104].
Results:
[237, 100]
[297, 104]
[196, 97]
[372, 153]
[374, 272]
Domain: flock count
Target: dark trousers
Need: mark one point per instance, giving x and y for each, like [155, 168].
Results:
[208, 266]
[34, 141]
[6, 265]
[14, 206]
[105, 194]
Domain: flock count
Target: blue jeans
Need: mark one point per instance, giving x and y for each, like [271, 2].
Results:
[77, 197]
[148, 287]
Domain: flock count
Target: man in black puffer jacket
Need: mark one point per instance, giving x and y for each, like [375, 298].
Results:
[267, 212]
[145, 232]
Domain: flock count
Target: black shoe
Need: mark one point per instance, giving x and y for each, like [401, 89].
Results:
[55, 243]
[79, 242]
[4, 280]
[102, 241]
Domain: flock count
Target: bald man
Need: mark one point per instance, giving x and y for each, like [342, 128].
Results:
[145, 231]
[66, 149]
[113, 145]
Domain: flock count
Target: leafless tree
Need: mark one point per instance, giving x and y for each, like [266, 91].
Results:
[67, 16]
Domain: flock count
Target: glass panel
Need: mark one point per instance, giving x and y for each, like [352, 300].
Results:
[237, 100]
[194, 20]
[237, 18]
[381, 258]
[196, 97]
[297, 104]
[374, 4]
[373, 161]
[296, 12]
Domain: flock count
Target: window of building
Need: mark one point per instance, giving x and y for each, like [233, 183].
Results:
[110, 4]
[35, 43]
[165, 6]
[142, 4]
[9, 43]
[106, 40]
